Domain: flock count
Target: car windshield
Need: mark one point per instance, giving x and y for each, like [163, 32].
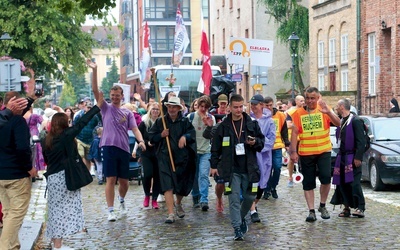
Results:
[387, 130]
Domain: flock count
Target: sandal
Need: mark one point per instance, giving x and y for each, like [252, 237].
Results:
[359, 213]
[345, 213]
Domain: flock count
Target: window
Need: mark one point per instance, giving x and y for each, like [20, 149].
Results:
[213, 43]
[162, 38]
[332, 52]
[223, 38]
[107, 73]
[166, 9]
[238, 13]
[246, 33]
[108, 61]
[205, 8]
[223, 3]
[371, 63]
[345, 80]
[218, 14]
[344, 46]
[230, 4]
[321, 82]
[321, 54]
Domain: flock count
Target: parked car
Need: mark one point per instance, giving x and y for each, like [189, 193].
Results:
[381, 163]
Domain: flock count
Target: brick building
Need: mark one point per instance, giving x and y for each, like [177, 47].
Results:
[380, 54]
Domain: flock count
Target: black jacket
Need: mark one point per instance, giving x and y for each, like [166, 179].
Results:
[222, 157]
[184, 158]
[65, 144]
[15, 151]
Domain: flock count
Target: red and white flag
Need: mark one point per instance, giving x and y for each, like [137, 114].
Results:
[146, 54]
[206, 73]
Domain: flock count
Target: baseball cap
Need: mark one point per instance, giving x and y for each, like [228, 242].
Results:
[257, 99]
[84, 99]
[222, 98]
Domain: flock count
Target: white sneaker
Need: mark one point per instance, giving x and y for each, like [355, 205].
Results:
[161, 198]
[122, 208]
[92, 171]
[112, 216]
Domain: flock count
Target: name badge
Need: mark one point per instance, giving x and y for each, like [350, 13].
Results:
[240, 149]
[225, 141]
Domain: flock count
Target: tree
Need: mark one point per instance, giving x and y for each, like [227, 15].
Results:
[112, 77]
[291, 17]
[68, 96]
[79, 84]
[90, 7]
[47, 39]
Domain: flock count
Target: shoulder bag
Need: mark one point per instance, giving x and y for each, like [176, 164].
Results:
[77, 174]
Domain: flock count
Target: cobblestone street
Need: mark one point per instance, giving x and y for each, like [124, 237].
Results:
[282, 225]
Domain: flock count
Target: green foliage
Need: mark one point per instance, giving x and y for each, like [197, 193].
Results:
[112, 77]
[291, 17]
[79, 84]
[68, 97]
[45, 37]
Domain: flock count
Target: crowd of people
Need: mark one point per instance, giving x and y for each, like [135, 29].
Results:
[179, 148]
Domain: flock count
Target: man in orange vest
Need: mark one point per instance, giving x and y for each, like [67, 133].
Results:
[281, 141]
[299, 104]
[312, 124]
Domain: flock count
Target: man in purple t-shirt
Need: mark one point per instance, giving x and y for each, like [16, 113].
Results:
[115, 142]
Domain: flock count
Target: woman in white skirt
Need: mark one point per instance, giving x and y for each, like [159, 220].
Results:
[65, 211]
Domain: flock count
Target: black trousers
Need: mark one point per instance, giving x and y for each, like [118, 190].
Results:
[150, 171]
[352, 193]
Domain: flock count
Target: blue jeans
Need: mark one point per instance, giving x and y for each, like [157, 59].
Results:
[237, 209]
[201, 181]
[276, 169]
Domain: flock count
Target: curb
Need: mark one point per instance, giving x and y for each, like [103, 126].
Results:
[29, 233]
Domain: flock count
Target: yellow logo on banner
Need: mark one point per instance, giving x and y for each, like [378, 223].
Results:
[244, 52]
[312, 122]
[257, 86]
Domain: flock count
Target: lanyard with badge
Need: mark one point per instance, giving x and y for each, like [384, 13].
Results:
[239, 147]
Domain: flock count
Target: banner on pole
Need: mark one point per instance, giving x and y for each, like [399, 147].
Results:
[259, 51]
[181, 39]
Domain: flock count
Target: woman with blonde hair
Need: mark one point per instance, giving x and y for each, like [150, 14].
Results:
[64, 207]
[194, 106]
[149, 158]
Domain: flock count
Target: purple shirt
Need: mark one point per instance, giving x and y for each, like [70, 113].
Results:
[116, 123]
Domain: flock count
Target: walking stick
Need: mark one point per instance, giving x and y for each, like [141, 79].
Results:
[153, 70]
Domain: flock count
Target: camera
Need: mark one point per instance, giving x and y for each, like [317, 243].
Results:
[38, 87]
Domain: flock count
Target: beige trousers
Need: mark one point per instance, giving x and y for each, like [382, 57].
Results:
[15, 196]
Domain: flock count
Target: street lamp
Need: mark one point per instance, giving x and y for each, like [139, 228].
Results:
[293, 42]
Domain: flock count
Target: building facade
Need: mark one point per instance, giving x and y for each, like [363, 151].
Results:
[333, 45]
[247, 19]
[107, 51]
[380, 55]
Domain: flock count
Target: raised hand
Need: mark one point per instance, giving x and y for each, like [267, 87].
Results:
[91, 64]
[17, 105]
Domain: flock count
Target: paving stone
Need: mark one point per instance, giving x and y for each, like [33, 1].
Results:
[282, 224]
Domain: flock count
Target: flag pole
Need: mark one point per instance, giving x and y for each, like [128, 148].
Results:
[153, 70]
